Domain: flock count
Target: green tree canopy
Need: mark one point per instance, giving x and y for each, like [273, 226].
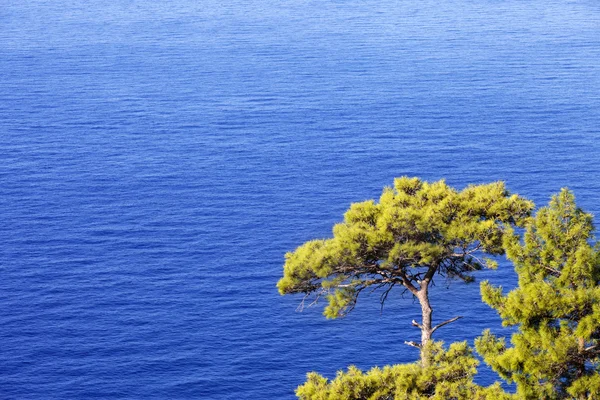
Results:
[415, 231]
[556, 306]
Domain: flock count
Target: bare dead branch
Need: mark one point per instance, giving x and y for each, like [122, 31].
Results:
[316, 300]
[593, 347]
[435, 328]
[466, 252]
[302, 305]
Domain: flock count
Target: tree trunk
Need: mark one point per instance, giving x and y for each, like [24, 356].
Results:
[426, 328]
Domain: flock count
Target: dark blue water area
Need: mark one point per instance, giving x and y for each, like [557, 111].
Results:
[158, 160]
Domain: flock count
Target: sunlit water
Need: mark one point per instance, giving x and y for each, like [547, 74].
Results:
[158, 160]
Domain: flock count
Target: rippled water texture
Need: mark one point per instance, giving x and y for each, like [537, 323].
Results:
[158, 159]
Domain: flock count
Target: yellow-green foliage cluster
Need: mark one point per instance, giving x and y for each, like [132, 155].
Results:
[450, 376]
[555, 354]
[415, 226]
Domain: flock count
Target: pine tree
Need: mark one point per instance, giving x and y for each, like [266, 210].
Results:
[417, 230]
[556, 307]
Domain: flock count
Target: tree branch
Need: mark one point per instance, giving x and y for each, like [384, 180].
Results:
[407, 283]
[554, 272]
[593, 347]
[467, 252]
[435, 328]
[413, 344]
[384, 296]
[301, 306]
[429, 274]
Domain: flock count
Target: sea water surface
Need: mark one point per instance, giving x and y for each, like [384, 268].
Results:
[159, 158]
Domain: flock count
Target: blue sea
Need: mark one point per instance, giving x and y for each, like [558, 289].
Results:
[158, 159]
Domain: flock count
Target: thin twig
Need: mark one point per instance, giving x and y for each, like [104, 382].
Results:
[384, 296]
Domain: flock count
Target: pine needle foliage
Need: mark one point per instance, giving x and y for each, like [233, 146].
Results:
[556, 307]
[448, 377]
